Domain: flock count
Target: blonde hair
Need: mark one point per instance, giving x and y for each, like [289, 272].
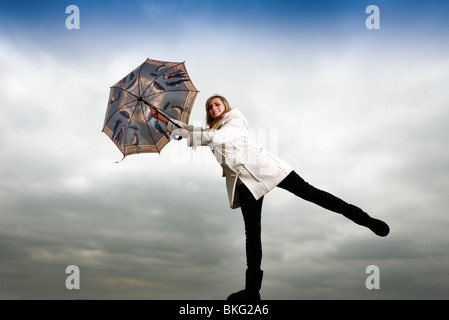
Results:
[209, 119]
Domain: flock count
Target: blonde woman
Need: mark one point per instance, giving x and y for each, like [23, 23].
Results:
[251, 172]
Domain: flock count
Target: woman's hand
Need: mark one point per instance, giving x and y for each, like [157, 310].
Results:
[180, 132]
[156, 115]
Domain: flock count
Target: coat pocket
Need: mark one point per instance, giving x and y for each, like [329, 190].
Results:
[264, 168]
[251, 172]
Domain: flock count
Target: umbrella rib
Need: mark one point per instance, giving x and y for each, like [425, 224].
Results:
[139, 81]
[155, 95]
[121, 107]
[127, 91]
[127, 128]
[172, 90]
[149, 131]
[166, 115]
[155, 78]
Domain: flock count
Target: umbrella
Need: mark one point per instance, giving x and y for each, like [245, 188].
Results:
[128, 122]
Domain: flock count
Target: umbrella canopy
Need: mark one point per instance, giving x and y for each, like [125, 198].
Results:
[128, 122]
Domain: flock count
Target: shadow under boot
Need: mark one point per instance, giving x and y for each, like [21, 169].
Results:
[360, 217]
[253, 282]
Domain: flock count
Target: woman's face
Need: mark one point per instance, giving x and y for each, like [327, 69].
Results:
[216, 108]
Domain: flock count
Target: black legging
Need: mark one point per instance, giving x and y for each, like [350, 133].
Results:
[252, 210]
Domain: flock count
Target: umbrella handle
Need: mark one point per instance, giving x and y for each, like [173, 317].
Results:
[169, 119]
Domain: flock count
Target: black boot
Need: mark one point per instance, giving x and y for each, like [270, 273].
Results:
[360, 217]
[253, 282]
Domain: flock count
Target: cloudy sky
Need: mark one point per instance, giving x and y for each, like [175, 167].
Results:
[362, 113]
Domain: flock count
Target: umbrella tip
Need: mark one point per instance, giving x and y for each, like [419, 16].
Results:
[118, 161]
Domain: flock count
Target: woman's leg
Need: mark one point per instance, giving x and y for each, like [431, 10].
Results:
[252, 214]
[251, 211]
[295, 184]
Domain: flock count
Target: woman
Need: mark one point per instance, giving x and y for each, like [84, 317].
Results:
[251, 172]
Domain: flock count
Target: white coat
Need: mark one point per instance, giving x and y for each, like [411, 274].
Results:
[242, 159]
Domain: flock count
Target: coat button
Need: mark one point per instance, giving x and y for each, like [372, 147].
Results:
[241, 171]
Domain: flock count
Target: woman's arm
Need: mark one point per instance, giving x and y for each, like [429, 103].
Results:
[206, 137]
[197, 136]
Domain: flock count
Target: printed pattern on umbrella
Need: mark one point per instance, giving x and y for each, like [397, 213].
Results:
[128, 120]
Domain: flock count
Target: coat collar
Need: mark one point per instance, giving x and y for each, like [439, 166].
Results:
[231, 115]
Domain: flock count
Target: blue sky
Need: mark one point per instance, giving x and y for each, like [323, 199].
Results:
[361, 113]
[289, 16]
[136, 23]
[42, 25]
